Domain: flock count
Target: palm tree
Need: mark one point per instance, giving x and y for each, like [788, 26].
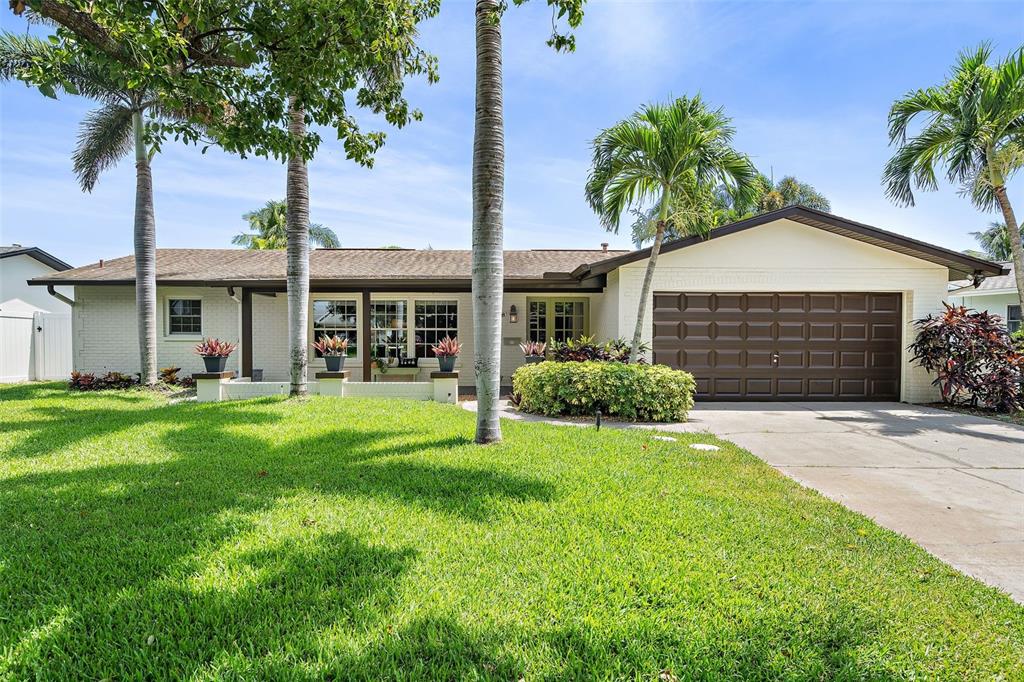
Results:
[488, 199]
[673, 154]
[791, 192]
[297, 199]
[974, 129]
[269, 230]
[721, 206]
[106, 136]
[995, 242]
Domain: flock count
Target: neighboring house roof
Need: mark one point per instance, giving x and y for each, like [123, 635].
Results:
[959, 264]
[251, 267]
[34, 252]
[1000, 284]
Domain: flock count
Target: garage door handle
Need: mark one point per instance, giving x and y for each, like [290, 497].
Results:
[775, 359]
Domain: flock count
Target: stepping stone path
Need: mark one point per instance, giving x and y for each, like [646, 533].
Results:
[669, 438]
[704, 446]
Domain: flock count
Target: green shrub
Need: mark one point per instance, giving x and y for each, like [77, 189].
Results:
[627, 391]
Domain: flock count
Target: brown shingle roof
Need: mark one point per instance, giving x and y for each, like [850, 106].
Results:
[241, 265]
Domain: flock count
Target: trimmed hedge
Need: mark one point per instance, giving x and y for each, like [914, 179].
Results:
[627, 391]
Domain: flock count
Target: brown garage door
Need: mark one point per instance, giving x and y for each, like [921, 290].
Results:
[803, 346]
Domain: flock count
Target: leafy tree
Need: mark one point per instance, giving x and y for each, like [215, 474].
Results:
[995, 242]
[974, 129]
[674, 154]
[269, 229]
[488, 201]
[261, 73]
[107, 135]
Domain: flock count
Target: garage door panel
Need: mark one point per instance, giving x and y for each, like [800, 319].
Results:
[883, 360]
[696, 302]
[884, 331]
[884, 303]
[667, 330]
[853, 388]
[790, 331]
[729, 331]
[791, 303]
[783, 346]
[790, 359]
[853, 331]
[821, 359]
[698, 331]
[852, 303]
[728, 359]
[697, 359]
[790, 388]
[822, 331]
[849, 359]
[758, 388]
[823, 303]
[729, 303]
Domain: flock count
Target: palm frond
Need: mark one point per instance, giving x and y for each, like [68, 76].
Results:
[104, 138]
[323, 237]
[19, 53]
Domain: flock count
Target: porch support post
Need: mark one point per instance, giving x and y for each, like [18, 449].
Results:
[364, 335]
[247, 333]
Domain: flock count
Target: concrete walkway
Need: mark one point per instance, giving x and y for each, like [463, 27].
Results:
[951, 482]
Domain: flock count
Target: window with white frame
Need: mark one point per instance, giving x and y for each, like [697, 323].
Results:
[185, 316]
[433, 321]
[388, 329]
[336, 318]
[1013, 321]
[556, 319]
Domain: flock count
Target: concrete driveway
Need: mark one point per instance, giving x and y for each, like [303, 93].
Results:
[952, 483]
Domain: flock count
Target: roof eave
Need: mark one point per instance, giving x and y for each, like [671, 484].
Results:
[38, 254]
[968, 265]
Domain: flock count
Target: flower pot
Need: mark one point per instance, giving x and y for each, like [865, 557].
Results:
[532, 359]
[215, 363]
[446, 363]
[335, 363]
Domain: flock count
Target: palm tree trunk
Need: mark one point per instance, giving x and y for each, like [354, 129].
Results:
[297, 196]
[145, 256]
[488, 198]
[1013, 233]
[645, 290]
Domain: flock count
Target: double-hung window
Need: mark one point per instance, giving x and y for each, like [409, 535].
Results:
[433, 321]
[336, 318]
[555, 319]
[1013, 321]
[184, 317]
[388, 329]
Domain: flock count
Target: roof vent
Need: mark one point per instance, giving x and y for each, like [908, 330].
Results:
[101, 262]
[604, 247]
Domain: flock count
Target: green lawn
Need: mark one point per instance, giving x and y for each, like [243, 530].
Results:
[370, 539]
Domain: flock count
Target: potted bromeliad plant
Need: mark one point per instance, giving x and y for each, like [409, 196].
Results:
[334, 349]
[215, 353]
[446, 350]
[533, 351]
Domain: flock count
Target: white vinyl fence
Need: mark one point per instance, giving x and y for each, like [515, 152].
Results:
[34, 346]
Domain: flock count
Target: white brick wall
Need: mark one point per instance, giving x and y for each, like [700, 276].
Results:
[789, 256]
[105, 336]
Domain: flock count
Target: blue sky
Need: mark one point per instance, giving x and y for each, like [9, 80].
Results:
[807, 84]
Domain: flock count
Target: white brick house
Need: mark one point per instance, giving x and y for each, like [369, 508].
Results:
[791, 305]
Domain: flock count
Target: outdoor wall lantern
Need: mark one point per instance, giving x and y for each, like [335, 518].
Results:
[513, 314]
